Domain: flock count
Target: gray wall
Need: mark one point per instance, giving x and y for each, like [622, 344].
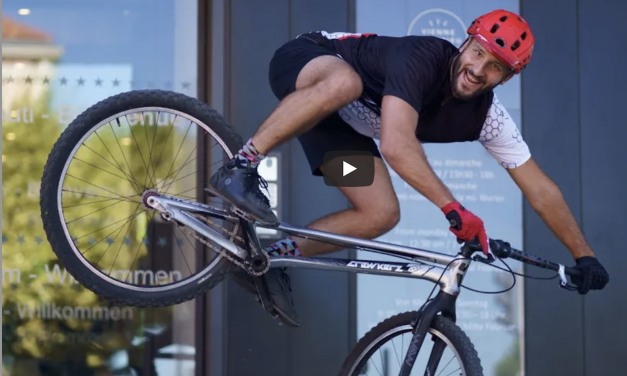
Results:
[573, 100]
[255, 343]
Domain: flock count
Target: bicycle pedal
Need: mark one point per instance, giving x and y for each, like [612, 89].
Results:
[242, 214]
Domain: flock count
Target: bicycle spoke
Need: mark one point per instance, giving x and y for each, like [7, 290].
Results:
[396, 353]
[102, 228]
[120, 147]
[104, 189]
[116, 236]
[459, 369]
[180, 147]
[182, 253]
[138, 149]
[119, 249]
[96, 202]
[106, 160]
[173, 172]
[164, 144]
[377, 368]
[180, 169]
[150, 218]
[108, 172]
[154, 136]
[445, 367]
[108, 206]
[434, 358]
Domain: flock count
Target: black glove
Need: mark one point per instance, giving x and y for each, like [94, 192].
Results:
[593, 275]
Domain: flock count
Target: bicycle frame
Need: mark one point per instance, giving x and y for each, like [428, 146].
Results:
[448, 278]
[445, 270]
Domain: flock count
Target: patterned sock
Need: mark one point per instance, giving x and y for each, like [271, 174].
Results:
[248, 154]
[284, 247]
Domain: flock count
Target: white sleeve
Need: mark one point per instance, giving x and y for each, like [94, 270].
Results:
[501, 137]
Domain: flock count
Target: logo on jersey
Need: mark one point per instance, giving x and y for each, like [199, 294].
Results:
[439, 23]
[341, 36]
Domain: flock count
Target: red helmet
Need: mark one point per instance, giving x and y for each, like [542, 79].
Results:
[506, 35]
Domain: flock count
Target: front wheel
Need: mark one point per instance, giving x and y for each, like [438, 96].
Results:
[449, 353]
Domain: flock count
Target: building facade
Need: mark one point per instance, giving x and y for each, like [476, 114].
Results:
[60, 59]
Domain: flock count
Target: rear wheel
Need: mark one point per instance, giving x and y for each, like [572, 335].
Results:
[91, 193]
[382, 350]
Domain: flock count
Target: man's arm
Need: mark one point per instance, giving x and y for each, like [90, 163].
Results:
[403, 152]
[547, 200]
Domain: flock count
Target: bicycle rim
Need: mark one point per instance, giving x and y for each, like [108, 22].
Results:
[170, 178]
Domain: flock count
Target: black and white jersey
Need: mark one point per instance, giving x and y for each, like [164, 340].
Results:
[417, 70]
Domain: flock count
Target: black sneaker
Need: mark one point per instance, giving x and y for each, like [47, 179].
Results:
[241, 187]
[280, 291]
[279, 288]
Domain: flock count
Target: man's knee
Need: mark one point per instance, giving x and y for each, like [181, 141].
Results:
[380, 218]
[335, 78]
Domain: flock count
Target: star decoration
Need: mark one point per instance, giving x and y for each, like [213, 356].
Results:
[162, 242]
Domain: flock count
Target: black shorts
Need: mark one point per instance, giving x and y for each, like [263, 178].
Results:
[330, 134]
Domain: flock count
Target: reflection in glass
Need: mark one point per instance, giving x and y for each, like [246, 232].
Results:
[57, 60]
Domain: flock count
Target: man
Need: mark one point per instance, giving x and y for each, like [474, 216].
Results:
[339, 91]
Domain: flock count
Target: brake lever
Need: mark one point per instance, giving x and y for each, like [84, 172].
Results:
[486, 260]
[473, 246]
[564, 280]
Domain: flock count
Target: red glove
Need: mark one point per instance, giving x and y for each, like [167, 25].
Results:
[465, 225]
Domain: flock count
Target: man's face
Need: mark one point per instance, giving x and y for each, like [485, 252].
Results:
[476, 71]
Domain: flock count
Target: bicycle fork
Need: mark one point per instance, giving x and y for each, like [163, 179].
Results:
[443, 303]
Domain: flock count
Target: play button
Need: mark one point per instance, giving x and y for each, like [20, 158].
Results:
[348, 168]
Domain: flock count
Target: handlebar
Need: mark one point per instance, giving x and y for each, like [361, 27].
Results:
[503, 250]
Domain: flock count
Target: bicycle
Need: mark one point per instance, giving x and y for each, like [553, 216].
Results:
[239, 247]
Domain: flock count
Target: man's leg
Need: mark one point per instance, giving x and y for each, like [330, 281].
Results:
[322, 85]
[375, 211]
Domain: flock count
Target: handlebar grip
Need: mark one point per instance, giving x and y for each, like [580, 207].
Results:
[573, 272]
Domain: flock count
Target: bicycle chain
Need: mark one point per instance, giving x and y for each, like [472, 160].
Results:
[219, 250]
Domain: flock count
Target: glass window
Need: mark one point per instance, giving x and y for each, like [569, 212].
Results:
[58, 59]
[494, 322]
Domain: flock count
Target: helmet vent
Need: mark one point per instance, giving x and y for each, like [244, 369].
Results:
[500, 41]
[515, 45]
[503, 19]
[494, 28]
[523, 36]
